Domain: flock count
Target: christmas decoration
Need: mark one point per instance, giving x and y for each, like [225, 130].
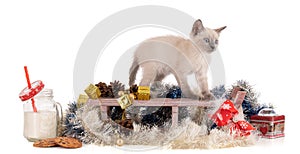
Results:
[106, 91]
[225, 116]
[116, 87]
[143, 93]
[116, 113]
[92, 91]
[112, 91]
[82, 99]
[133, 90]
[139, 125]
[268, 123]
[120, 142]
[72, 126]
[252, 96]
[125, 100]
[159, 118]
[174, 92]
[160, 90]
[250, 104]
[127, 123]
[90, 129]
[219, 91]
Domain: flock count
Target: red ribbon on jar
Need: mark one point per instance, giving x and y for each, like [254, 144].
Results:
[224, 116]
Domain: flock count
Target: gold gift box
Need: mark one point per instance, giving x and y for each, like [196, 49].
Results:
[93, 91]
[143, 93]
[82, 99]
[125, 101]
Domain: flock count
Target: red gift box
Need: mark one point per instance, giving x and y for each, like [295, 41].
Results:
[268, 123]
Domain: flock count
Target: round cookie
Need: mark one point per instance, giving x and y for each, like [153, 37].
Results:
[49, 142]
[68, 142]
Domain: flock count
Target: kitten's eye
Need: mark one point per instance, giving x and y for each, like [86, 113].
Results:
[216, 41]
[206, 40]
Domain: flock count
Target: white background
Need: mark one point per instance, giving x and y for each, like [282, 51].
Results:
[259, 45]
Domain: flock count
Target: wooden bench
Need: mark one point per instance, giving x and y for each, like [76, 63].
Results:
[105, 103]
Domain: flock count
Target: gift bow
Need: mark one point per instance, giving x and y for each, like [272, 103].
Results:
[225, 116]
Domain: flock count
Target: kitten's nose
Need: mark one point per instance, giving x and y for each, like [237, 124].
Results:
[212, 47]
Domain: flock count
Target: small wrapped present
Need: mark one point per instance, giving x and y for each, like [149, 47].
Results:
[226, 115]
[125, 100]
[82, 99]
[93, 91]
[143, 93]
[268, 123]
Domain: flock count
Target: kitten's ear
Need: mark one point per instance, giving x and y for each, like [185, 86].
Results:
[197, 27]
[218, 30]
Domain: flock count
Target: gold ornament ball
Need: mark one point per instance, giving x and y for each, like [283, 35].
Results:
[120, 142]
[121, 93]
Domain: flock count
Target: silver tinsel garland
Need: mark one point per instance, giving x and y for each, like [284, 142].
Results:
[193, 131]
[89, 128]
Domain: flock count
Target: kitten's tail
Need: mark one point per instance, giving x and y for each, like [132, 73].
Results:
[133, 71]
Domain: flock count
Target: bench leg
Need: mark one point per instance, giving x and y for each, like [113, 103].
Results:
[174, 116]
[104, 112]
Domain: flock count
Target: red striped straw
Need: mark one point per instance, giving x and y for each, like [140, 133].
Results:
[29, 87]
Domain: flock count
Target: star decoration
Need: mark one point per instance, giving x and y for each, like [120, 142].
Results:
[226, 106]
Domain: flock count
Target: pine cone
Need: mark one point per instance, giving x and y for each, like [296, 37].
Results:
[106, 91]
[116, 86]
[127, 123]
[134, 88]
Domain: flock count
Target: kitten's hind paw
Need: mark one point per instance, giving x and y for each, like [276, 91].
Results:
[205, 96]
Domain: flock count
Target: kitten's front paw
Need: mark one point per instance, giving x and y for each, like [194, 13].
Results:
[206, 96]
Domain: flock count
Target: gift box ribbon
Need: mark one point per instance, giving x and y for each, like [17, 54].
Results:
[224, 116]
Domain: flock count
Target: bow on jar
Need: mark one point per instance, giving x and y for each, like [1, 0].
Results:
[225, 116]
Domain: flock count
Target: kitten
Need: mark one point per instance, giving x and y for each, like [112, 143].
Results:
[161, 56]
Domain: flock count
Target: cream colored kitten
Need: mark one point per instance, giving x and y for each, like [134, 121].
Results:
[161, 56]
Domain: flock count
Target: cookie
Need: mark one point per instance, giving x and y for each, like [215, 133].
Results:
[68, 142]
[49, 142]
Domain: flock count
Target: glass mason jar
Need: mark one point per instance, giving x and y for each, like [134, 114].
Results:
[46, 121]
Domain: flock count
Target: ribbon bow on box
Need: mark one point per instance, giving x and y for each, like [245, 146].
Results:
[224, 116]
